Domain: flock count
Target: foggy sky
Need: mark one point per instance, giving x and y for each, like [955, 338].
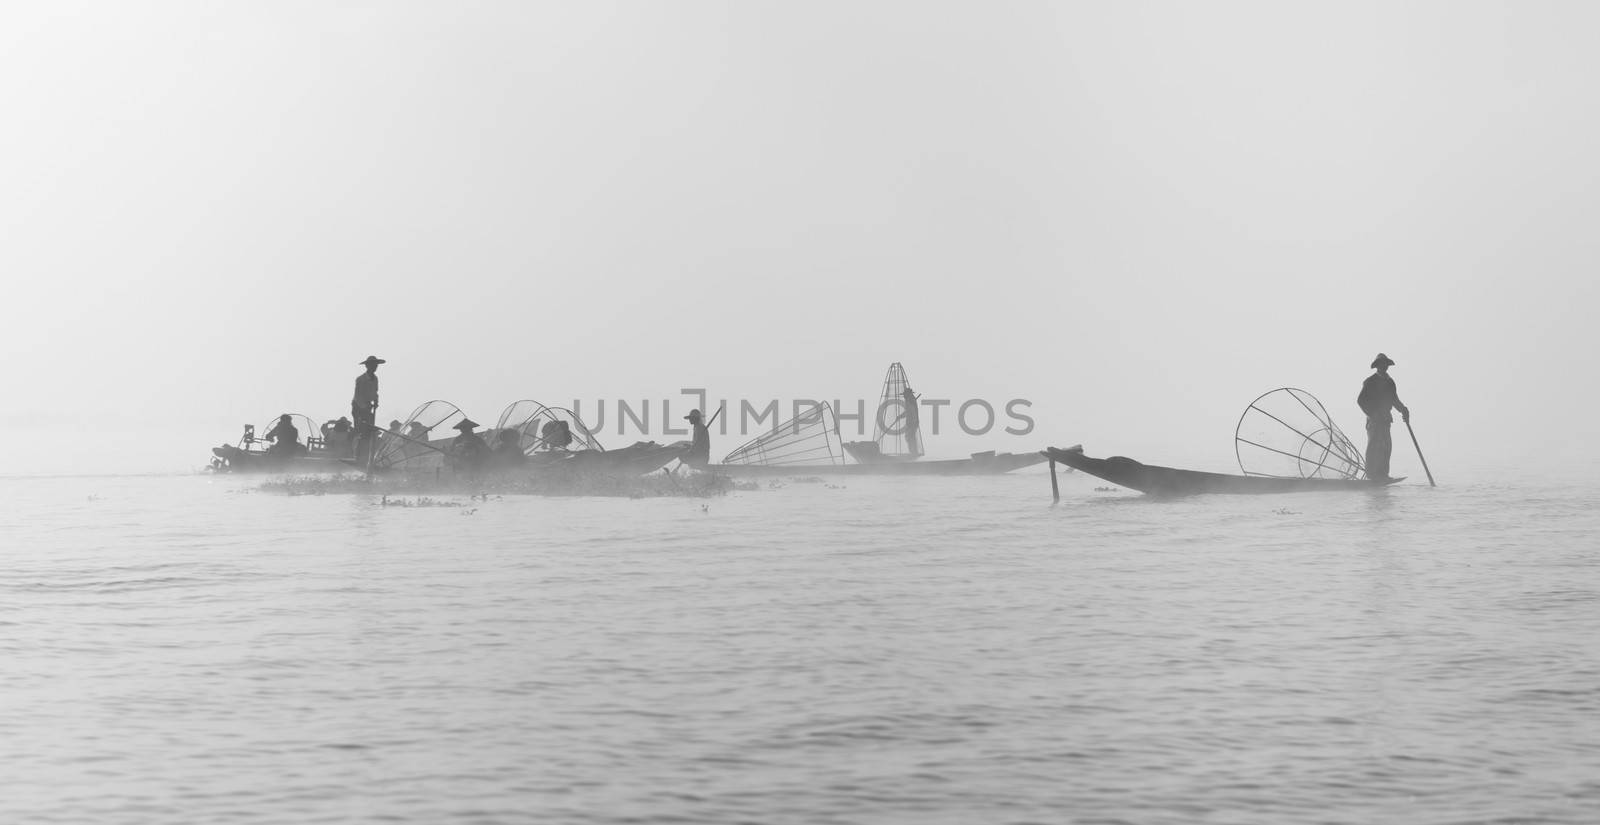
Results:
[1137, 216]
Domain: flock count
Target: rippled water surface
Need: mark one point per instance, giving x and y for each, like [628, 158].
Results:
[190, 649]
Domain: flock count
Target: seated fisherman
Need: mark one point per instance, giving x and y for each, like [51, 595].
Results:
[284, 437]
[555, 435]
[700, 448]
[469, 450]
[341, 440]
[508, 449]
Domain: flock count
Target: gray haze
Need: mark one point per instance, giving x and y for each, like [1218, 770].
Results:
[1137, 216]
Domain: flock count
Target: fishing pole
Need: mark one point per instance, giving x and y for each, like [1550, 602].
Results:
[1419, 452]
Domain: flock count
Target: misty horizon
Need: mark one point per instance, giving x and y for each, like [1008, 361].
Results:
[1137, 221]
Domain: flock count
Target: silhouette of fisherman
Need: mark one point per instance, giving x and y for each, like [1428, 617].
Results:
[364, 406]
[555, 435]
[508, 449]
[700, 448]
[1378, 396]
[337, 437]
[913, 422]
[284, 436]
[469, 449]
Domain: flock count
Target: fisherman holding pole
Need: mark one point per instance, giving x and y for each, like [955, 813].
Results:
[1378, 396]
[364, 407]
[700, 448]
[699, 454]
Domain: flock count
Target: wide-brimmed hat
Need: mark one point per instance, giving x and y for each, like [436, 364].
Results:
[693, 414]
[372, 359]
[1382, 360]
[467, 424]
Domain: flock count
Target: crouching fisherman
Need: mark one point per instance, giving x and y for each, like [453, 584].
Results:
[469, 452]
[508, 450]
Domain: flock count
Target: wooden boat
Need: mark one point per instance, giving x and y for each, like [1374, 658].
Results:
[230, 459]
[632, 460]
[979, 464]
[253, 454]
[557, 437]
[1168, 481]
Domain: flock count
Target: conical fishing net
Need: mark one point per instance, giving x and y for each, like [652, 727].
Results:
[423, 440]
[896, 422]
[1287, 433]
[809, 439]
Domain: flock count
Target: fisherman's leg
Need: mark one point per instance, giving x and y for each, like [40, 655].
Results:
[366, 427]
[1377, 456]
[1379, 446]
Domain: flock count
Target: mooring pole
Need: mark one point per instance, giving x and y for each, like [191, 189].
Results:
[1055, 486]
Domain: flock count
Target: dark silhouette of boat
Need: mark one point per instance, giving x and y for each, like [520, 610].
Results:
[1169, 481]
[254, 454]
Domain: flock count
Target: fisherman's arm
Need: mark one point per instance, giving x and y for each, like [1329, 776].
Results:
[1405, 412]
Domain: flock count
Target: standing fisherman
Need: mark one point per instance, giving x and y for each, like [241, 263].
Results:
[700, 448]
[364, 406]
[1378, 396]
[913, 423]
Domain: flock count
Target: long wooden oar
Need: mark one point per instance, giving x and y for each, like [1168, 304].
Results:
[1419, 454]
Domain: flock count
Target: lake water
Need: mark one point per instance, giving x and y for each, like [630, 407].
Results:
[916, 650]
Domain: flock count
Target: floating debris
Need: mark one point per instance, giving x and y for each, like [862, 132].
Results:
[419, 501]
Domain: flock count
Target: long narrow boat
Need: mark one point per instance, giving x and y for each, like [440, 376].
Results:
[1168, 481]
[979, 464]
[633, 460]
[556, 437]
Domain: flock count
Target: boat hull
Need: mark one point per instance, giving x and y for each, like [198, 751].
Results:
[634, 460]
[1169, 481]
[981, 465]
[235, 460]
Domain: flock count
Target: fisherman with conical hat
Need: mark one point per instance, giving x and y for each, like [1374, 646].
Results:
[700, 448]
[364, 406]
[1378, 396]
[469, 448]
